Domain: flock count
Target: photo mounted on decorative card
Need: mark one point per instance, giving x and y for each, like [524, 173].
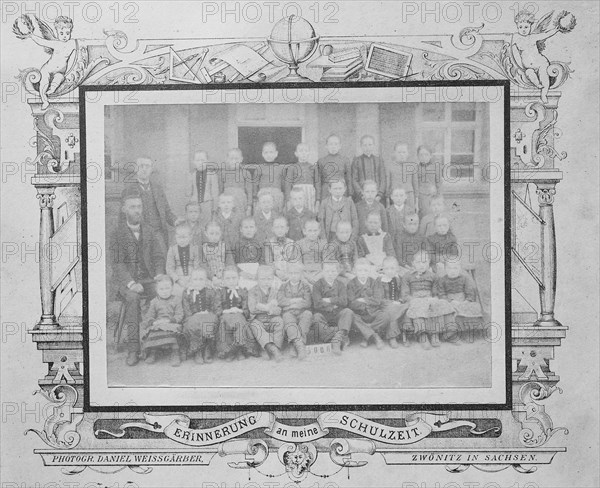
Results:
[323, 244]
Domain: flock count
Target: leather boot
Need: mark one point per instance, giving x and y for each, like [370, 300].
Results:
[132, 358]
[336, 343]
[300, 349]
[274, 352]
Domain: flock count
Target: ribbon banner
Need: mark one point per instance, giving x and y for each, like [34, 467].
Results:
[177, 427]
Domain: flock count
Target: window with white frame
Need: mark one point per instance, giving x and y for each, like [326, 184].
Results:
[453, 132]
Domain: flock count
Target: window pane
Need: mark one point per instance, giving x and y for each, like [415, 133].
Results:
[434, 112]
[463, 141]
[463, 112]
[462, 171]
[434, 139]
[462, 159]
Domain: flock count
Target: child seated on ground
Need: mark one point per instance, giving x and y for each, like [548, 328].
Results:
[311, 250]
[427, 315]
[458, 288]
[214, 254]
[427, 226]
[394, 307]
[369, 205]
[397, 211]
[375, 245]
[264, 216]
[161, 327]
[280, 250]
[248, 253]
[265, 314]
[442, 245]
[201, 308]
[343, 250]
[182, 258]
[235, 339]
[298, 214]
[408, 241]
[365, 299]
[331, 320]
[294, 298]
[335, 208]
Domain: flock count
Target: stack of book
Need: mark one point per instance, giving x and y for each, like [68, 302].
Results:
[342, 65]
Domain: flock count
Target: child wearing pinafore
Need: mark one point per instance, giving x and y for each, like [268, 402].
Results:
[428, 315]
[161, 327]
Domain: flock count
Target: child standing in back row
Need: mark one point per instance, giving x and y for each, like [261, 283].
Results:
[368, 166]
[304, 176]
[333, 166]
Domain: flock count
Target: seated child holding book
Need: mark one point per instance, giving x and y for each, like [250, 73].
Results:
[201, 307]
[427, 315]
[365, 299]
[331, 320]
[294, 298]
[161, 326]
[265, 314]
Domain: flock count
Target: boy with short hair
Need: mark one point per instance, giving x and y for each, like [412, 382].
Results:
[264, 216]
[397, 210]
[192, 219]
[344, 250]
[365, 299]
[303, 175]
[268, 175]
[368, 205]
[265, 314]
[280, 250]
[204, 188]
[298, 214]
[427, 226]
[311, 250]
[368, 166]
[332, 319]
[248, 253]
[234, 182]
[214, 254]
[294, 298]
[402, 174]
[335, 208]
[201, 307]
[229, 218]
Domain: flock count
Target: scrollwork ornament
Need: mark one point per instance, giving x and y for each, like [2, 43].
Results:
[46, 197]
[537, 426]
[297, 459]
[60, 428]
[545, 195]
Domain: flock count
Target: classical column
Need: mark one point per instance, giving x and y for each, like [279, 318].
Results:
[545, 192]
[46, 197]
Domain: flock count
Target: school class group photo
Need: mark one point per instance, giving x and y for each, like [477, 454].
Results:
[269, 258]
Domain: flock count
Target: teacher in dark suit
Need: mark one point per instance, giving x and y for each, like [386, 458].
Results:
[138, 254]
[156, 212]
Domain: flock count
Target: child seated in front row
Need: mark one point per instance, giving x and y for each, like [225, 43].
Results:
[298, 214]
[249, 253]
[214, 254]
[280, 250]
[201, 308]
[331, 320]
[375, 245]
[394, 306]
[458, 288]
[427, 315]
[161, 327]
[294, 298]
[368, 205]
[365, 298]
[182, 258]
[235, 339]
[265, 314]
[311, 250]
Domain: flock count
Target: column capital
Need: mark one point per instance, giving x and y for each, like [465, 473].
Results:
[46, 196]
[545, 193]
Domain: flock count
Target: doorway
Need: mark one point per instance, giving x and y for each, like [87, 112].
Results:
[251, 140]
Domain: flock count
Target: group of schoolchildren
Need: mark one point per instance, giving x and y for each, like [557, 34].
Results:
[321, 253]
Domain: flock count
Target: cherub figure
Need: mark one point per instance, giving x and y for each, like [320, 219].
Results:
[59, 45]
[528, 44]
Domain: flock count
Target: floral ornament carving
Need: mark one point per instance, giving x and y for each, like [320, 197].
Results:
[60, 428]
[537, 426]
